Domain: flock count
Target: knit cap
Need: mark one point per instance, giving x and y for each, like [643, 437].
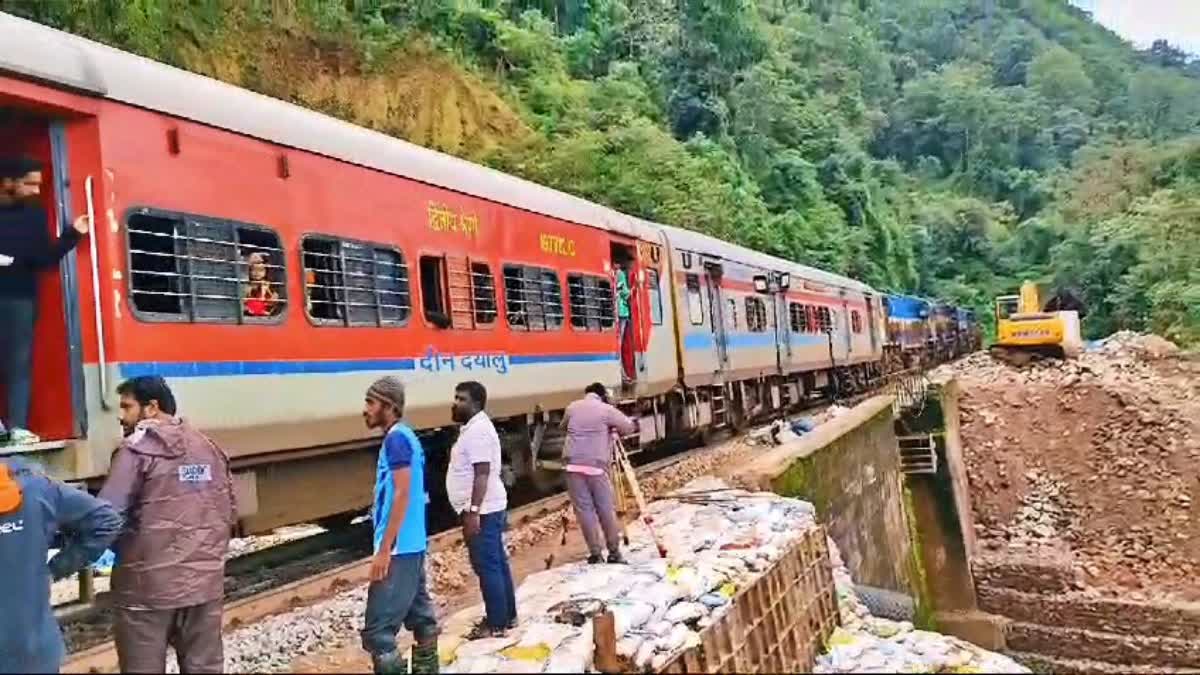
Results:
[388, 389]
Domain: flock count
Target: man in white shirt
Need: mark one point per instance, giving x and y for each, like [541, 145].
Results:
[476, 493]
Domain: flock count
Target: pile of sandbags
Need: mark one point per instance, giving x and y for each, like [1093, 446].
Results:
[868, 644]
[718, 540]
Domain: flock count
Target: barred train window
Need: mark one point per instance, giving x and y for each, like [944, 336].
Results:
[655, 294]
[591, 299]
[797, 316]
[533, 296]
[856, 321]
[756, 315]
[197, 269]
[731, 321]
[694, 300]
[354, 283]
[483, 293]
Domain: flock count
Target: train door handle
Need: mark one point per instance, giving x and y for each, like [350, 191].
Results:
[94, 247]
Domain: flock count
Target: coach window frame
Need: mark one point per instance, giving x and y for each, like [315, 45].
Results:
[189, 316]
[654, 296]
[346, 322]
[688, 278]
[562, 300]
[595, 292]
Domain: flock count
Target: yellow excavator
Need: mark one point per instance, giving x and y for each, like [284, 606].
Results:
[1027, 330]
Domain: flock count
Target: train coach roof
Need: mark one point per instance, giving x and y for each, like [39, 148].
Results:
[37, 52]
[711, 246]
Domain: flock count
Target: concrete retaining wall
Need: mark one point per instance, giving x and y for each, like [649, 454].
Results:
[849, 468]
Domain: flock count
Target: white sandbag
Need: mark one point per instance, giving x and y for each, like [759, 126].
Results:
[551, 635]
[630, 615]
[572, 656]
[662, 595]
[660, 628]
[628, 646]
[683, 612]
[483, 647]
[675, 639]
[644, 655]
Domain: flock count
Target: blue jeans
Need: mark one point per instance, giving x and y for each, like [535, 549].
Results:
[17, 316]
[400, 599]
[489, 559]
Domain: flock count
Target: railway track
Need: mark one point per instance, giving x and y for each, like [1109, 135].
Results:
[306, 570]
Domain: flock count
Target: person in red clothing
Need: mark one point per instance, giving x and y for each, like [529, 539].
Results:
[260, 298]
[26, 249]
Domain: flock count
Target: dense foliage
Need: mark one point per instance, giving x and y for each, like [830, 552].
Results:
[945, 147]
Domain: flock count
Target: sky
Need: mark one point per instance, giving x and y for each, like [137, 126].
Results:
[1142, 21]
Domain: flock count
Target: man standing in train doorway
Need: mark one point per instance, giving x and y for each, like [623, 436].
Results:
[624, 325]
[25, 250]
[174, 487]
[476, 493]
[398, 594]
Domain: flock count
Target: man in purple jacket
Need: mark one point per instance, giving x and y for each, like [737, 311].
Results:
[590, 423]
[174, 487]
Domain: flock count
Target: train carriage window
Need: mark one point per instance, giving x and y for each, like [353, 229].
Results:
[856, 321]
[483, 293]
[433, 291]
[591, 302]
[654, 291]
[824, 320]
[756, 315]
[695, 300]
[353, 283]
[533, 298]
[205, 270]
[731, 320]
[797, 317]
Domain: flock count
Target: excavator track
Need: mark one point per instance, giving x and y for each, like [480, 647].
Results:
[1021, 357]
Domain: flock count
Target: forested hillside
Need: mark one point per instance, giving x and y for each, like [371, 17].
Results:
[946, 147]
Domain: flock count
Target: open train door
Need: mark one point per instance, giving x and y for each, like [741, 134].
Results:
[57, 410]
[713, 274]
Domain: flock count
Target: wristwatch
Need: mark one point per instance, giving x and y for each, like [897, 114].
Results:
[472, 509]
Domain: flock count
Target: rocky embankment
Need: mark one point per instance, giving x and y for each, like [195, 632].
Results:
[1085, 486]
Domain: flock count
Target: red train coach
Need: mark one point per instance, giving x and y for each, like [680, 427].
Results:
[271, 262]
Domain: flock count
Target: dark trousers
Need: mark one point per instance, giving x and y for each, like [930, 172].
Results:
[401, 599]
[489, 559]
[17, 316]
[596, 510]
[142, 636]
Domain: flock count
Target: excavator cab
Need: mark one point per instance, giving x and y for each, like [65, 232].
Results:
[1025, 332]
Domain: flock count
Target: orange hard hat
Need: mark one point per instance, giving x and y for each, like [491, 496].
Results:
[10, 491]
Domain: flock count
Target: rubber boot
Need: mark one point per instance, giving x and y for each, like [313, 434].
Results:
[425, 658]
[391, 663]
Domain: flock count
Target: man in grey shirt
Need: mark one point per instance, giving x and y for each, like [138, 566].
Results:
[590, 423]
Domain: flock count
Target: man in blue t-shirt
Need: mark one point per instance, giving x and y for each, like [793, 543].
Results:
[397, 594]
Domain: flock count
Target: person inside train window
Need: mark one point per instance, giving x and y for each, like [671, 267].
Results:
[260, 299]
[25, 249]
